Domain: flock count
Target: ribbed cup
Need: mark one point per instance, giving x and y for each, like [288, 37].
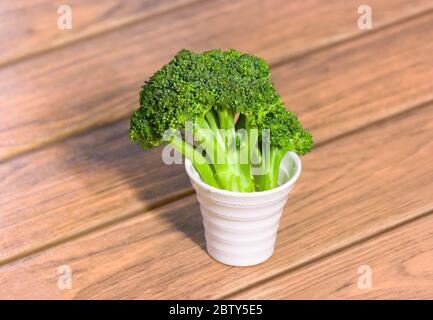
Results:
[241, 227]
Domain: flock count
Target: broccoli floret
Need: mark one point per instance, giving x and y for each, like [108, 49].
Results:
[286, 134]
[211, 90]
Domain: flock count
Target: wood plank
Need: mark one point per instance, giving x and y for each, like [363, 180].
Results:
[69, 90]
[27, 28]
[353, 188]
[401, 263]
[50, 195]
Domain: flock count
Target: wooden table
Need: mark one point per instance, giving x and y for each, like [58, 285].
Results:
[78, 199]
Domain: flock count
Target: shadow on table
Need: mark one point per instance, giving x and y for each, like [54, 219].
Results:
[108, 152]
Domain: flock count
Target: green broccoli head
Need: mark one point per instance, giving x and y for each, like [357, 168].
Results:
[141, 131]
[192, 84]
[209, 90]
[286, 132]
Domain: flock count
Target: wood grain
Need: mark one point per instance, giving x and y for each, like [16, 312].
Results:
[349, 86]
[401, 263]
[49, 195]
[96, 81]
[28, 28]
[70, 188]
[356, 187]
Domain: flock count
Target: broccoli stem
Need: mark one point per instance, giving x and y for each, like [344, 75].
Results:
[226, 119]
[249, 144]
[269, 180]
[232, 175]
[199, 161]
[216, 133]
[212, 120]
[229, 174]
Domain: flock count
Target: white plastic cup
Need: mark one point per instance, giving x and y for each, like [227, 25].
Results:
[241, 227]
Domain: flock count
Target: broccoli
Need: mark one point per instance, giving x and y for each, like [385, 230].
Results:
[228, 99]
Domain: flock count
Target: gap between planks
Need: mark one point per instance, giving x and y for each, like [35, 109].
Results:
[179, 196]
[283, 59]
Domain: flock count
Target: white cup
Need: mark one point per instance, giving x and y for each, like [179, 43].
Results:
[241, 227]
